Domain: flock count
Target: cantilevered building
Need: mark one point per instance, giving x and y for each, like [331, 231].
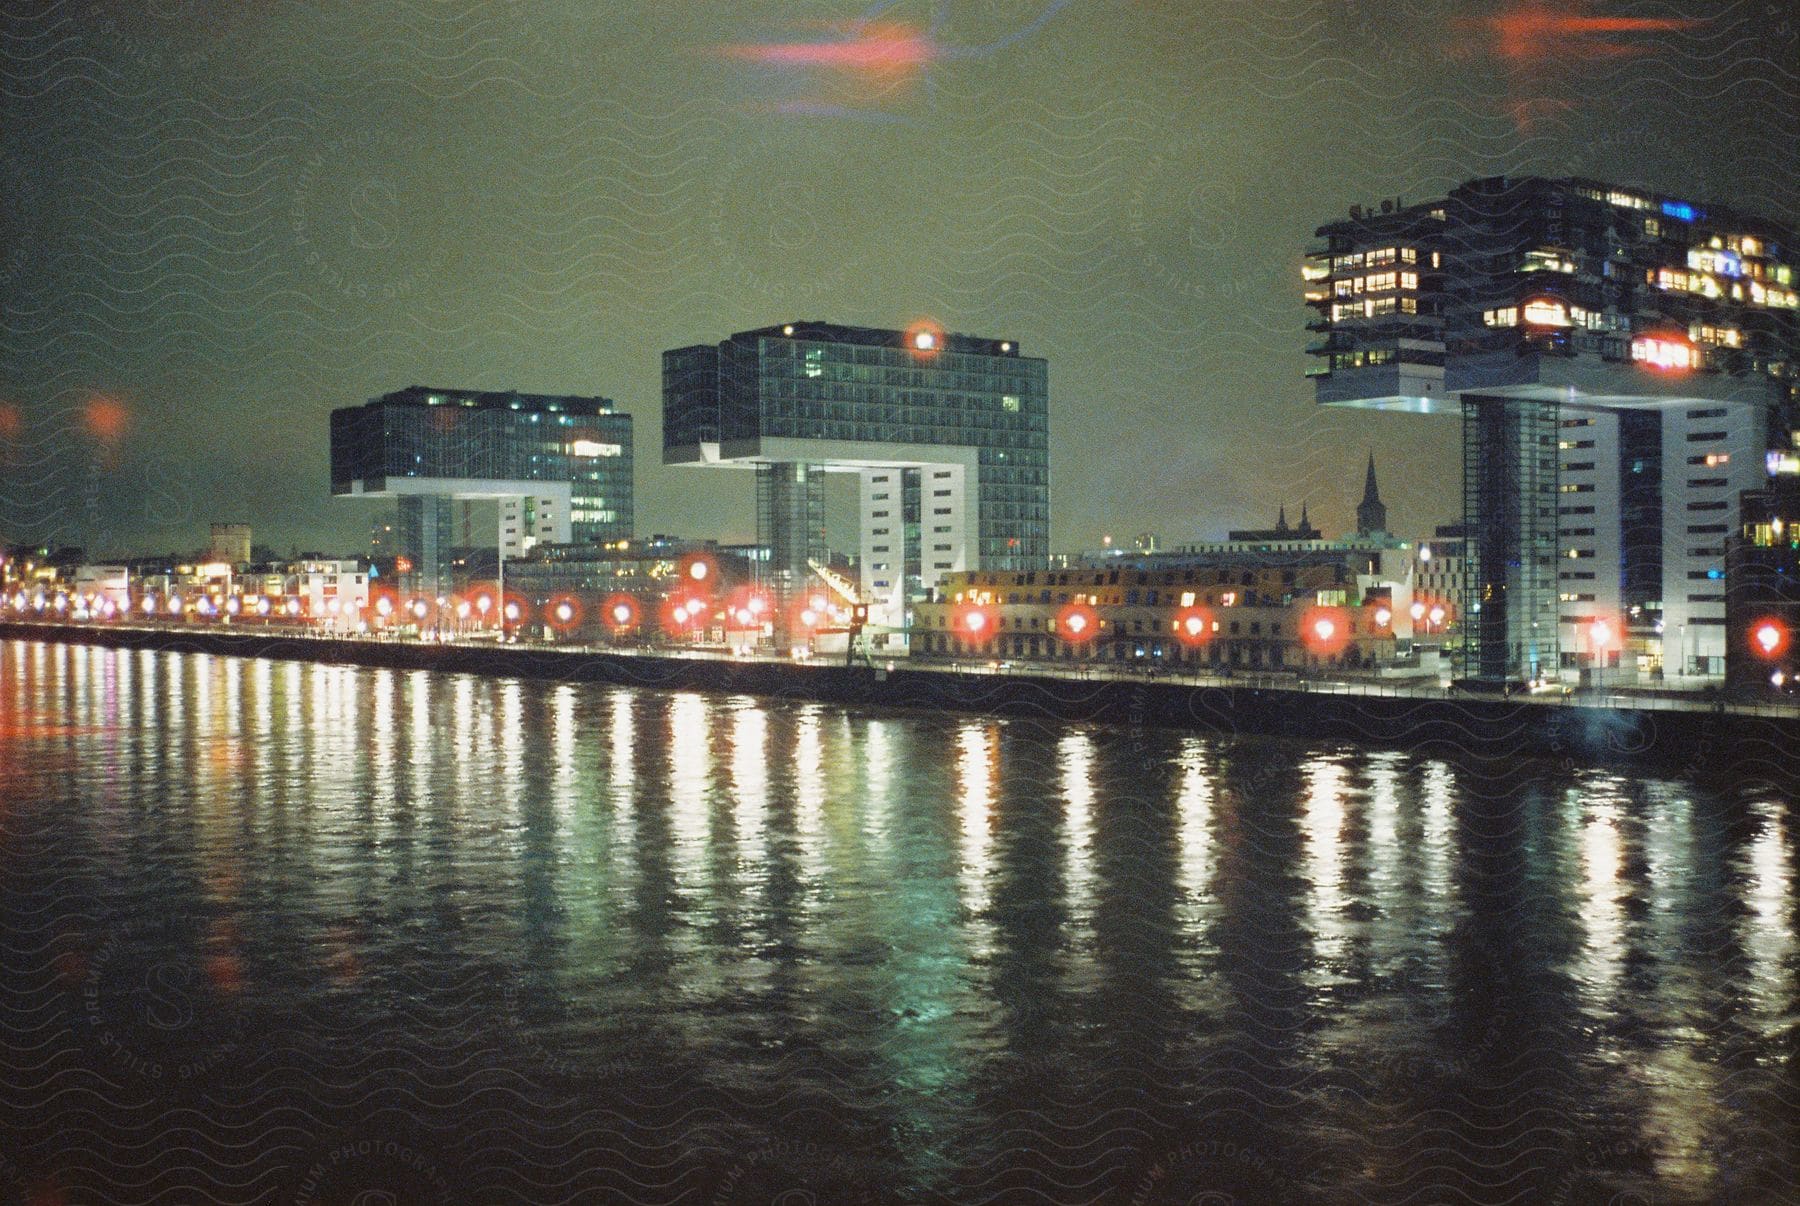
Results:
[560, 467]
[948, 434]
[1620, 360]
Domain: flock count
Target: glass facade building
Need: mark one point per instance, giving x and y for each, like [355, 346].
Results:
[958, 425]
[1622, 360]
[560, 467]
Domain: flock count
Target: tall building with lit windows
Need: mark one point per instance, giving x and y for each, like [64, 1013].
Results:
[948, 436]
[1762, 574]
[559, 467]
[1620, 361]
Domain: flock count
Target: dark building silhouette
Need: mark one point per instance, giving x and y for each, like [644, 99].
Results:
[1371, 515]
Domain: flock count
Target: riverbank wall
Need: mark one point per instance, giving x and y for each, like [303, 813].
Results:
[1699, 741]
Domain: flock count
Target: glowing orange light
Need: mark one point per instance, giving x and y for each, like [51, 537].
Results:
[1383, 617]
[621, 611]
[1437, 614]
[924, 338]
[974, 622]
[1193, 625]
[1532, 32]
[679, 615]
[698, 571]
[1665, 353]
[1544, 44]
[1078, 622]
[1417, 611]
[106, 418]
[563, 612]
[1769, 638]
[1544, 312]
[1600, 634]
[876, 46]
[1326, 630]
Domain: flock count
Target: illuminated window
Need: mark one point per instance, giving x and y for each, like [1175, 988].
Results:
[1665, 353]
[1009, 402]
[1546, 312]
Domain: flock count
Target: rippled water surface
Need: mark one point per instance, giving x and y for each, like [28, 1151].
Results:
[277, 932]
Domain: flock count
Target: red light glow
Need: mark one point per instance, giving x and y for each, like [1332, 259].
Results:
[1546, 49]
[1193, 625]
[924, 338]
[1534, 33]
[1325, 630]
[874, 47]
[974, 622]
[681, 615]
[563, 612]
[106, 418]
[698, 572]
[1769, 638]
[621, 611]
[1077, 623]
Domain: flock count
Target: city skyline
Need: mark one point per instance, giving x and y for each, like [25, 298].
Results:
[210, 256]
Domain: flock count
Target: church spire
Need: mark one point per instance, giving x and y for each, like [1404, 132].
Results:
[1281, 521]
[1371, 515]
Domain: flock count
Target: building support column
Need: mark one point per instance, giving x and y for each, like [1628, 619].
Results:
[790, 521]
[1510, 498]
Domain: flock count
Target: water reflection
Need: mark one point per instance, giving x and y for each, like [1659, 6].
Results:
[972, 960]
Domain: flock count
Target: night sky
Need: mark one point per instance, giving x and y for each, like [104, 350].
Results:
[224, 218]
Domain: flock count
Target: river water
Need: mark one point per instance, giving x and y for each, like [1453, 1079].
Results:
[282, 932]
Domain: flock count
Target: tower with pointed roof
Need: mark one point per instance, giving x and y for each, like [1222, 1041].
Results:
[1371, 515]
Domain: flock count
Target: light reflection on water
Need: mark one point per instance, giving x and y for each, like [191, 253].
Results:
[655, 935]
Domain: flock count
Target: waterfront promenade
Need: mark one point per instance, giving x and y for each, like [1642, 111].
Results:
[1736, 738]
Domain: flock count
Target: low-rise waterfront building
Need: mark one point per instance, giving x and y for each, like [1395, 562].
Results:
[1238, 612]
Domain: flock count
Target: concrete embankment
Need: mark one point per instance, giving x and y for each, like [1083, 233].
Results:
[1698, 741]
